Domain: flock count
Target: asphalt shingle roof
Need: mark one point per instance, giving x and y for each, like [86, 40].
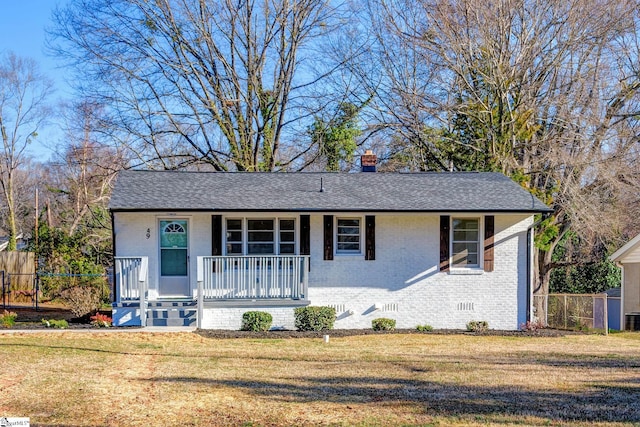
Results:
[364, 191]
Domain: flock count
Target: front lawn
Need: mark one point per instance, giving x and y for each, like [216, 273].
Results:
[148, 379]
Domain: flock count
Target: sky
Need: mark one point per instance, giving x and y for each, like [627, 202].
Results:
[22, 30]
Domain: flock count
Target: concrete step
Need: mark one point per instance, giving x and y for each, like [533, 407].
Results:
[172, 322]
[173, 316]
[171, 304]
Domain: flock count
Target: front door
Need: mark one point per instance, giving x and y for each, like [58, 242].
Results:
[174, 258]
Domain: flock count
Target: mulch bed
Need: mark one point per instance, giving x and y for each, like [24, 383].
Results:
[338, 333]
[29, 318]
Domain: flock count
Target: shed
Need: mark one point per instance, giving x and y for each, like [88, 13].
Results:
[628, 259]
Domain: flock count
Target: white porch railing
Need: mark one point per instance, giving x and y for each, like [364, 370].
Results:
[131, 278]
[131, 281]
[253, 277]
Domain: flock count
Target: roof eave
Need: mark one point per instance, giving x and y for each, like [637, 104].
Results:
[618, 255]
[504, 211]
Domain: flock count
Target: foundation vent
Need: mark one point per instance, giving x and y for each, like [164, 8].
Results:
[340, 308]
[465, 306]
[390, 307]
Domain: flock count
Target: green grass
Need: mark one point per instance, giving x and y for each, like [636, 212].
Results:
[140, 379]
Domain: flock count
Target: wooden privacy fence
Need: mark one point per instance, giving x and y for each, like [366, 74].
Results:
[17, 271]
[575, 311]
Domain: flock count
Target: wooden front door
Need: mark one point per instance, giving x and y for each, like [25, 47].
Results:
[174, 258]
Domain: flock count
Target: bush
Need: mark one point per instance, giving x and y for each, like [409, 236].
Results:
[315, 318]
[532, 326]
[56, 324]
[256, 321]
[8, 319]
[82, 300]
[101, 320]
[383, 324]
[424, 328]
[477, 326]
[74, 260]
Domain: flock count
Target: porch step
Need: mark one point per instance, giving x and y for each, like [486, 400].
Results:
[171, 304]
[180, 315]
[172, 313]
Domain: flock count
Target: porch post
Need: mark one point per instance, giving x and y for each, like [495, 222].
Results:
[142, 289]
[200, 295]
[305, 276]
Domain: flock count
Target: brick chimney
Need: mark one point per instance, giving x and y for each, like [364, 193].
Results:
[368, 161]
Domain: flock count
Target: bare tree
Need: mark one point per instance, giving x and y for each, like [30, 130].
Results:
[24, 95]
[218, 82]
[546, 92]
[82, 175]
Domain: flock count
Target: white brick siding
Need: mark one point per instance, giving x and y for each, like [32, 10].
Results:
[231, 318]
[403, 282]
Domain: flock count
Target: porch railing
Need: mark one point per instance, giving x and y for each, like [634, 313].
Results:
[131, 276]
[253, 277]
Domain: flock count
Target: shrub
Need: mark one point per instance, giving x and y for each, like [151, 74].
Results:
[8, 319]
[256, 321]
[383, 324]
[532, 326]
[477, 326]
[313, 318]
[424, 328]
[56, 324]
[82, 300]
[101, 320]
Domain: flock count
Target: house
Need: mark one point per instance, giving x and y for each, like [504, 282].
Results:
[628, 259]
[21, 242]
[422, 248]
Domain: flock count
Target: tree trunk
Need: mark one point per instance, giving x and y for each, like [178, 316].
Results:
[11, 213]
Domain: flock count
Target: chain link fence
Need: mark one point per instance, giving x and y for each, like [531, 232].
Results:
[574, 311]
[19, 288]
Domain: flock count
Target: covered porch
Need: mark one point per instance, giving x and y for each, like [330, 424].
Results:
[220, 281]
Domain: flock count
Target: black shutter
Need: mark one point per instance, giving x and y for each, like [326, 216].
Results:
[444, 242]
[216, 235]
[305, 237]
[370, 238]
[328, 237]
[489, 230]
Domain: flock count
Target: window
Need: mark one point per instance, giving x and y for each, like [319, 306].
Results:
[348, 236]
[465, 242]
[287, 237]
[234, 237]
[174, 228]
[262, 236]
